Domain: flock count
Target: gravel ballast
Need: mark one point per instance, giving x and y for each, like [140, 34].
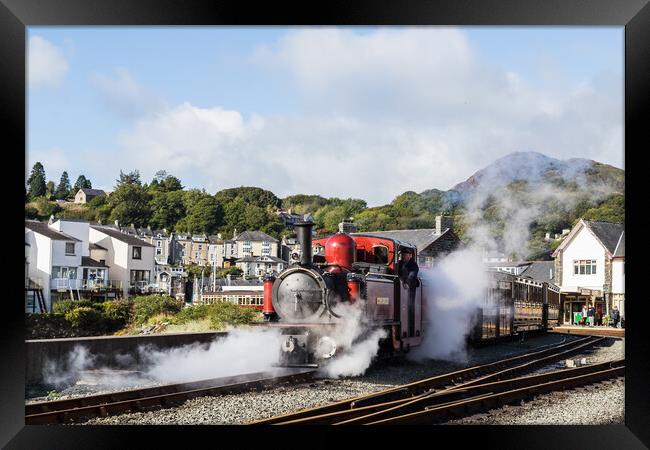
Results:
[247, 407]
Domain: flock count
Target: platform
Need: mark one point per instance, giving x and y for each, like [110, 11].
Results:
[593, 331]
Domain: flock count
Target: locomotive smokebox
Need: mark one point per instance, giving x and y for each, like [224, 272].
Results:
[303, 234]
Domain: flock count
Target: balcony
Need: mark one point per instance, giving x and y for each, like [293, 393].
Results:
[84, 285]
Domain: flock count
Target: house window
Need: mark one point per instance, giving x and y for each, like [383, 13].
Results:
[159, 243]
[69, 248]
[200, 247]
[584, 267]
[159, 251]
[139, 276]
[137, 253]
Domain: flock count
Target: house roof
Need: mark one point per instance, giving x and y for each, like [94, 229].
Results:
[607, 233]
[620, 247]
[508, 263]
[43, 229]
[112, 232]
[540, 271]
[87, 261]
[93, 246]
[421, 238]
[93, 192]
[254, 236]
[259, 259]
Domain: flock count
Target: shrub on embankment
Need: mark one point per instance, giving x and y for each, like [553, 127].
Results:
[74, 318]
[150, 313]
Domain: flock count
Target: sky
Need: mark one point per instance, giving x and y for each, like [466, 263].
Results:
[362, 112]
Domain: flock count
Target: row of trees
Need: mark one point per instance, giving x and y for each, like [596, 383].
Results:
[37, 187]
[165, 203]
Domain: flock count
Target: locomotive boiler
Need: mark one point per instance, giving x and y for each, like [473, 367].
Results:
[354, 280]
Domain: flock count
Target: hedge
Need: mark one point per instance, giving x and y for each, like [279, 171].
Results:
[148, 306]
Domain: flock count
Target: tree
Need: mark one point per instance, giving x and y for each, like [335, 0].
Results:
[63, 189]
[130, 200]
[204, 216]
[36, 182]
[81, 183]
[251, 195]
[167, 208]
[50, 187]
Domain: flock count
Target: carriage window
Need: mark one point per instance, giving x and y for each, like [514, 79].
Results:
[380, 253]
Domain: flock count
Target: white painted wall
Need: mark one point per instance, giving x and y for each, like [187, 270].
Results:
[584, 245]
[80, 230]
[119, 258]
[618, 276]
[40, 261]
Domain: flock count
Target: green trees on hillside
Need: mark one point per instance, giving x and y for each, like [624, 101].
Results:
[63, 189]
[36, 182]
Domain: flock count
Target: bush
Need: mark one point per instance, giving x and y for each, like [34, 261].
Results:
[86, 319]
[191, 313]
[65, 306]
[31, 212]
[47, 208]
[222, 314]
[147, 306]
[47, 326]
[117, 313]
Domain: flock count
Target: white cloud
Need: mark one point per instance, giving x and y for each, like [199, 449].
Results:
[122, 94]
[384, 112]
[46, 63]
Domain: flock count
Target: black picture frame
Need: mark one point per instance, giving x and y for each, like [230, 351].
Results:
[634, 15]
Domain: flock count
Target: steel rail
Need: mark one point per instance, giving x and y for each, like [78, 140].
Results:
[447, 381]
[82, 408]
[452, 397]
[482, 401]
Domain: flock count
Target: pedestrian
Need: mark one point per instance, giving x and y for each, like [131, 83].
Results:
[591, 313]
[584, 315]
[615, 316]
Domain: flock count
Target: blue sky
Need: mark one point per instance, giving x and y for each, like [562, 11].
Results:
[229, 106]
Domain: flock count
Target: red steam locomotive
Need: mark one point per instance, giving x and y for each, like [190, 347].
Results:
[313, 298]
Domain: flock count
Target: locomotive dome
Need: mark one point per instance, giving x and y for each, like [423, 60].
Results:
[340, 249]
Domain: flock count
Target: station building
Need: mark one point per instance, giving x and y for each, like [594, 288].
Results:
[590, 268]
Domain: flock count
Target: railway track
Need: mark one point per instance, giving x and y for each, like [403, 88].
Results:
[436, 386]
[83, 408]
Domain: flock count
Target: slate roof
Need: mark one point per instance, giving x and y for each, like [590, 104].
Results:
[259, 259]
[421, 238]
[608, 233]
[87, 261]
[254, 236]
[540, 271]
[42, 228]
[131, 240]
[620, 248]
[92, 192]
[93, 246]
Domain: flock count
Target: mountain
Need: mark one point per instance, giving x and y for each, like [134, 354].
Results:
[535, 169]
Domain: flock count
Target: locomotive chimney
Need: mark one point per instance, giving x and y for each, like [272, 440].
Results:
[303, 234]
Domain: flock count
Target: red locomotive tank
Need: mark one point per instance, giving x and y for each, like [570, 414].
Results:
[340, 250]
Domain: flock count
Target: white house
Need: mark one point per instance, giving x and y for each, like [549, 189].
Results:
[589, 267]
[85, 195]
[131, 260]
[260, 265]
[54, 259]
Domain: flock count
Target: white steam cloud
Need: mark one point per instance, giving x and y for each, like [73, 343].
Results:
[359, 342]
[242, 351]
[455, 288]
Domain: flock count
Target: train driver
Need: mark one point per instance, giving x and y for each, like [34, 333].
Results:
[408, 269]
